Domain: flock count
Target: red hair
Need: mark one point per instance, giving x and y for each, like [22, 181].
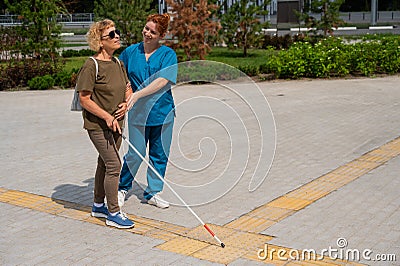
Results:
[161, 21]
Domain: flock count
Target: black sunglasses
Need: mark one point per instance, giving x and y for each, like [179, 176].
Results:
[112, 33]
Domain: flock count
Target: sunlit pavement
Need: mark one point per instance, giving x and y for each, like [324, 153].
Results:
[333, 184]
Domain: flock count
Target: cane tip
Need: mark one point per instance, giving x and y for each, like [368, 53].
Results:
[222, 245]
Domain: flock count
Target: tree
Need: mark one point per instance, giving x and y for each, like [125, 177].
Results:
[79, 6]
[39, 28]
[241, 25]
[129, 16]
[31, 48]
[330, 17]
[194, 25]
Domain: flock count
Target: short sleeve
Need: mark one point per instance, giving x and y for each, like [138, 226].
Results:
[87, 76]
[169, 66]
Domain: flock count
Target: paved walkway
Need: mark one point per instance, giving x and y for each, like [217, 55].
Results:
[333, 183]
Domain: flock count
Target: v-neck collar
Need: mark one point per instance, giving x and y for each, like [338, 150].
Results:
[144, 53]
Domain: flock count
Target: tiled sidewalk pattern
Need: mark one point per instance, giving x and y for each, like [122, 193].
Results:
[185, 243]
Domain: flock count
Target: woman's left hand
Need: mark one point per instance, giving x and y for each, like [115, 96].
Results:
[120, 113]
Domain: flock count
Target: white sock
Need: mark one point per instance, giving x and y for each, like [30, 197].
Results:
[113, 213]
[98, 205]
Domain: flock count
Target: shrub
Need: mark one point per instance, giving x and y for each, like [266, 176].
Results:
[389, 57]
[41, 83]
[73, 53]
[65, 79]
[331, 57]
[18, 73]
[285, 41]
[250, 70]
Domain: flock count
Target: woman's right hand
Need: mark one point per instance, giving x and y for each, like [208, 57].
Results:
[113, 124]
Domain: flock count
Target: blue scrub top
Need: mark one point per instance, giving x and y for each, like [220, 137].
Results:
[158, 108]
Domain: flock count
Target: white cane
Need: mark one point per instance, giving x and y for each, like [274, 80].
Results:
[173, 191]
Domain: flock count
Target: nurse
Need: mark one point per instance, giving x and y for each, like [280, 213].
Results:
[151, 69]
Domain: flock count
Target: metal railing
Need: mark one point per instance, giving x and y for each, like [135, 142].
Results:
[88, 18]
[61, 18]
[381, 16]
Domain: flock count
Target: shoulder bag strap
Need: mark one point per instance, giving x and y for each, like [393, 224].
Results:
[96, 64]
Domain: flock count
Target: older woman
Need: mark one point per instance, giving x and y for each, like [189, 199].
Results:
[103, 91]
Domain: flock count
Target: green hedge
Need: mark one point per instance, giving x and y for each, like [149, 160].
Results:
[331, 57]
[74, 53]
[41, 83]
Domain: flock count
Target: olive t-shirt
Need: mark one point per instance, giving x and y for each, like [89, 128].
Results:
[108, 90]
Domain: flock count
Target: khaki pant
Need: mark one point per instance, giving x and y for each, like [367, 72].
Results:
[107, 144]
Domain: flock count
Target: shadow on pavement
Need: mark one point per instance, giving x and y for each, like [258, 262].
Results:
[72, 195]
[75, 196]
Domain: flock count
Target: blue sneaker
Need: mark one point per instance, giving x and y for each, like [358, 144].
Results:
[120, 221]
[100, 212]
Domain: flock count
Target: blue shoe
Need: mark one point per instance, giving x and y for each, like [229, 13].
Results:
[120, 221]
[100, 212]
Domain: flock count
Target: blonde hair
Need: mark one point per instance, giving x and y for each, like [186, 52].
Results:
[161, 21]
[93, 36]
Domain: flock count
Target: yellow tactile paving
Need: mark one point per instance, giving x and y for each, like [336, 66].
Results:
[140, 229]
[93, 220]
[75, 214]
[219, 255]
[392, 145]
[289, 203]
[382, 153]
[202, 234]
[337, 179]
[250, 224]
[160, 234]
[270, 213]
[247, 241]
[10, 196]
[321, 185]
[307, 194]
[367, 165]
[173, 228]
[237, 243]
[78, 212]
[183, 245]
[354, 171]
[51, 207]
[374, 158]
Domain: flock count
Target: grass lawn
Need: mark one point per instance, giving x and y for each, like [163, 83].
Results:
[235, 57]
[74, 63]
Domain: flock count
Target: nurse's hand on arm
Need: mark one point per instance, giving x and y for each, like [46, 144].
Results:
[153, 87]
[90, 106]
[123, 107]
